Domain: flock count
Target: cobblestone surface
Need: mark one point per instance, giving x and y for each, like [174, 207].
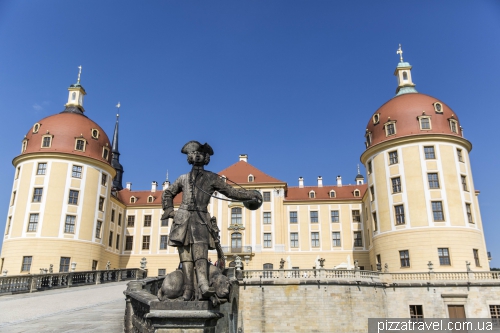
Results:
[81, 309]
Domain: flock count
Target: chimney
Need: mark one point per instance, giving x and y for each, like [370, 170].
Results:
[165, 184]
[320, 181]
[301, 182]
[339, 181]
[154, 185]
[244, 157]
[129, 186]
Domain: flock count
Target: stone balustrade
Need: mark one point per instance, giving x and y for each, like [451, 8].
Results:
[282, 275]
[40, 282]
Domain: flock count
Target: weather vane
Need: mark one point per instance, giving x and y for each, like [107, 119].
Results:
[400, 52]
[118, 107]
[79, 72]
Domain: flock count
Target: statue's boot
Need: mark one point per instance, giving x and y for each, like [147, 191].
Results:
[188, 272]
[201, 274]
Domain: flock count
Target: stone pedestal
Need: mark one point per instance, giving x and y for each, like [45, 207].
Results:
[145, 313]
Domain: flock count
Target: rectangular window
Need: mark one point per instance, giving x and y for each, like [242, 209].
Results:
[112, 215]
[444, 256]
[8, 225]
[453, 126]
[117, 242]
[164, 223]
[42, 169]
[396, 184]
[463, 180]
[293, 217]
[145, 242]
[390, 129]
[46, 141]
[433, 180]
[370, 167]
[129, 242]
[469, 212]
[163, 242]
[336, 239]
[80, 145]
[459, 155]
[400, 214]
[76, 172]
[314, 239]
[375, 223]
[104, 179]
[335, 216]
[69, 225]
[94, 265]
[267, 196]
[429, 153]
[101, 204]
[73, 197]
[162, 271]
[495, 315]
[33, 223]
[314, 216]
[236, 215]
[294, 239]
[356, 215]
[130, 220]
[147, 220]
[64, 264]
[358, 240]
[475, 252]
[13, 198]
[372, 193]
[416, 312]
[393, 157]
[437, 210]
[425, 123]
[110, 241]
[98, 229]
[37, 194]
[267, 240]
[119, 219]
[404, 257]
[267, 217]
[26, 267]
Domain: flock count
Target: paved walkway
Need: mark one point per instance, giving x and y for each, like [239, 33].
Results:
[96, 308]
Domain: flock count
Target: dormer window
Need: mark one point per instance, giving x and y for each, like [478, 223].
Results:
[390, 128]
[332, 194]
[356, 193]
[376, 118]
[95, 133]
[25, 145]
[312, 195]
[151, 199]
[438, 107]
[453, 125]
[425, 122]
[46, 141]
[80, 144]
[133, 199]
[36, 127]
[368, 138]
[105, 153]
[250, 178]
[223, 178]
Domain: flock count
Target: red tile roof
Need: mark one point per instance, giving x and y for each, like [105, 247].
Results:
[239, 172]
[142, 197]
[345, 192]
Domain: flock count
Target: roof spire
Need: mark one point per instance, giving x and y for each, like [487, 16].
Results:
[75, 96]
[358, 170]
[115, 155]
[79, 73]
[166, 179]
[400, 52]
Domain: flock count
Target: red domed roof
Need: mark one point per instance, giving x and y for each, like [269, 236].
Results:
[406, 112]
[64, 129]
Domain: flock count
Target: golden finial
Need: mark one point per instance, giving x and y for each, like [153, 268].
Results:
[79, 72]
[400, 52]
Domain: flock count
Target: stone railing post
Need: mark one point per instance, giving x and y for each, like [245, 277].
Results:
[432, 276]
[119, 276]
[33, 283]
[70, 279]
[322, 273]
[357, 275]
[470, 275]
[98, 278]
[282, 273]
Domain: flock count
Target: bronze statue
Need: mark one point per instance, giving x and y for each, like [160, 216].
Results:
[193, 232]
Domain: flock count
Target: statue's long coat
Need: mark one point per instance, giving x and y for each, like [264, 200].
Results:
[189, 220]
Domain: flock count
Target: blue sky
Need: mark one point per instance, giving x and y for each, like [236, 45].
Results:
[290, 83]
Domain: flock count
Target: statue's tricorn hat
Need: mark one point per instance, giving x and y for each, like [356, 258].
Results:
[192, 146]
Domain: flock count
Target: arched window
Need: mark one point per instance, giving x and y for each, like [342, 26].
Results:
[250, 178]
[405, 76]
[236, 215]
[312, 195]
[332, 194]
[235, 241]
[356, 193]
[150, 199]
[132, 199]
[73, 96]
[268, 266]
